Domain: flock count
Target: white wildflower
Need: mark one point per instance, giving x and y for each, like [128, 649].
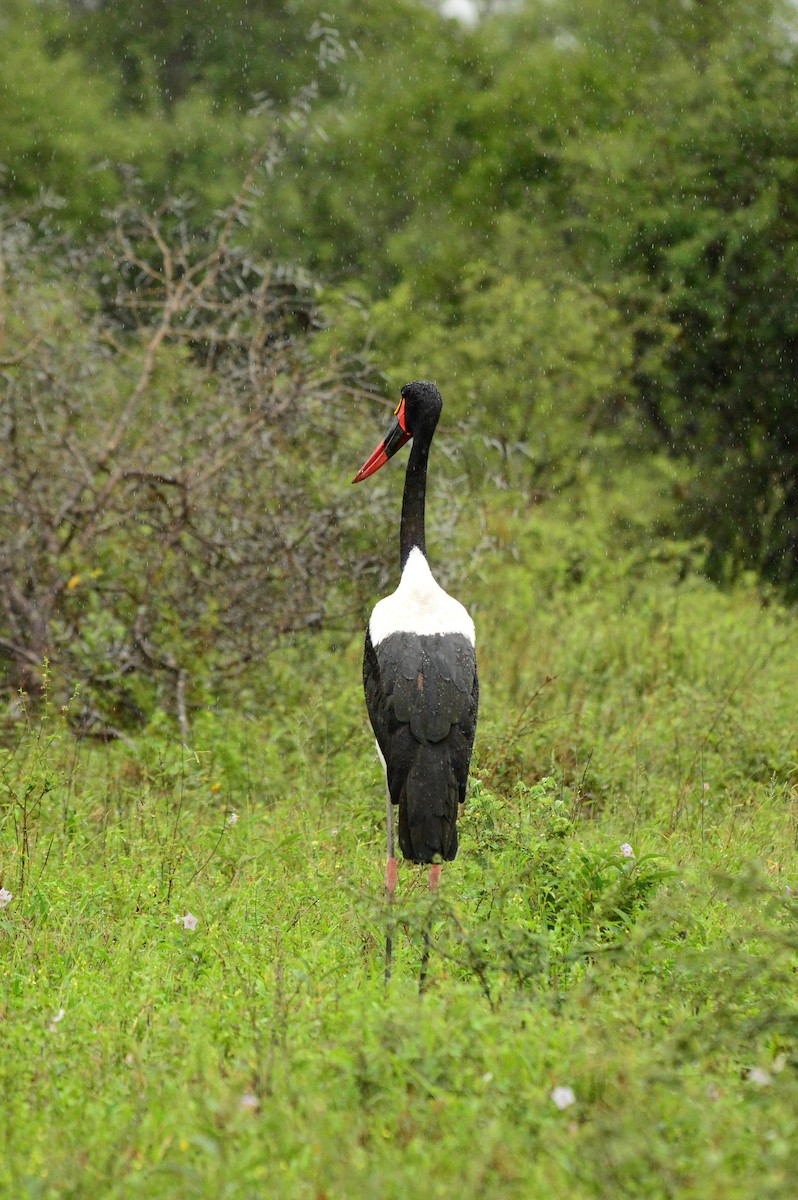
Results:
[627, 851]
[249, 1101]
[5, 897]
[233, 818]
[59, 1016]
[189, 921]
[759, 1077]
[563, 1097]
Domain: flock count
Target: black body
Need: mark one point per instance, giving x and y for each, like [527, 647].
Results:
[422, 695]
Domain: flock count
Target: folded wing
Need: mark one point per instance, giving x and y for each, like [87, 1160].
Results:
[422, 695]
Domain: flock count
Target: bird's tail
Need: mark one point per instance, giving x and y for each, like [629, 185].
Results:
[428, 809]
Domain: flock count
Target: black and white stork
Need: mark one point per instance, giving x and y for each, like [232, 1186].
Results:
[419, 668]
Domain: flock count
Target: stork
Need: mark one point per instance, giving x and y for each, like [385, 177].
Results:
[419, 671]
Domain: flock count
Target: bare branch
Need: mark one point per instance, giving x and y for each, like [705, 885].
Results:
[164, 510]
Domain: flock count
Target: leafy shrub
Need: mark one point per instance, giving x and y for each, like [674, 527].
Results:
[543, 902]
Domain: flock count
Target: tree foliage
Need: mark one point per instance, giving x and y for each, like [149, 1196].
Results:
[705, 221]
[644, 160]
[580, 217]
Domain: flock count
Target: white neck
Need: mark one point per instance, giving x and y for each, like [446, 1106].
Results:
[419, 605]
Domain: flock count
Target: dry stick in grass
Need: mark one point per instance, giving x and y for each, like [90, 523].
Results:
[512, 734]
[757, 661]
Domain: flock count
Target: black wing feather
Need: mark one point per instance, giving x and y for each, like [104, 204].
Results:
[422, 695]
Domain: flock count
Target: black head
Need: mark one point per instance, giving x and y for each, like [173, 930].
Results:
[416, 414]
[422, 405]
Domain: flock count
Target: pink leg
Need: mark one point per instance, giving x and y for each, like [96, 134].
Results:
[390, 878]
[390, 885]
[434, 880]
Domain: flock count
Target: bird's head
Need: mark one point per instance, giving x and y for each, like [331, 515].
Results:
[418, 410]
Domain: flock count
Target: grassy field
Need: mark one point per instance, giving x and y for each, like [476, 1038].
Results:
[192, 998]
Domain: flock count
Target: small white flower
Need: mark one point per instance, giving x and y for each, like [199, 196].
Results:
[759, 1077]
[627, 851]
[59, 1016]
[487, 1077]
[563, 1097]
[5, 897]
[249, 1101]
[233, 818]
[189, 921]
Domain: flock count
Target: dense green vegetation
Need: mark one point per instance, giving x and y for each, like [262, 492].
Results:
[260, 1052]
[228, 232]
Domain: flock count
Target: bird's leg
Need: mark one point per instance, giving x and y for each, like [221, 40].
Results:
[390, 883]
[434, 880]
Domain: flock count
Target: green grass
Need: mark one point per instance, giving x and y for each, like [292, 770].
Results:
[261, 1054]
